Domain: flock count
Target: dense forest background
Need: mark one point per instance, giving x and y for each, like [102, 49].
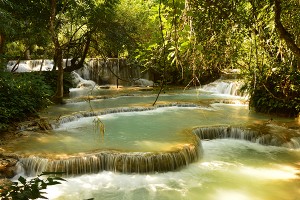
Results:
[184, 41]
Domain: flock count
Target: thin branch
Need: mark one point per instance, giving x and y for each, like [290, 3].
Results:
[164, 53]
[271, 92]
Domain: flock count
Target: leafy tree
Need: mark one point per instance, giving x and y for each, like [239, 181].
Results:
[24, 23]
[267, 63]
[72, 24]
[181, 41]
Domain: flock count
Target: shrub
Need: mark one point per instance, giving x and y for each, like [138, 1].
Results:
[21, 95]
[277, 92]
[29, 189]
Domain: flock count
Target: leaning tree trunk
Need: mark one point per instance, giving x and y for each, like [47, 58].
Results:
[283, 33]
[77, 63]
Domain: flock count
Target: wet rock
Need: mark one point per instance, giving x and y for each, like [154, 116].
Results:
[8, 167]
[5, 184]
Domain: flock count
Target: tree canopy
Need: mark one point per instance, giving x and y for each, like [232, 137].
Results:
[182, 41]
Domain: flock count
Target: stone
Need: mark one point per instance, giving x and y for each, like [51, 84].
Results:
[8, 167]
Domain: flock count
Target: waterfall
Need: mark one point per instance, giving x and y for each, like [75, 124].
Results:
[150, 162]
[135, 162]
[80, 82]
[227, 87]
[31, 65]
[115, 71]
[222, 132]
[101, 71]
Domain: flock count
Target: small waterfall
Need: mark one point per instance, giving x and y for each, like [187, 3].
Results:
[82, 83]
[76, 116]
[105, 72]
[221, 132]
[100, 71]
[32, 65]
[293, 143]
[135, 162]
[150, 162]
[227, 87]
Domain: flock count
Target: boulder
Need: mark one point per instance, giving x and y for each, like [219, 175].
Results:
[8, 167]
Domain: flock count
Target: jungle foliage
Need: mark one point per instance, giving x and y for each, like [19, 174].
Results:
[30, 189]
[186, 42]
[23, 94]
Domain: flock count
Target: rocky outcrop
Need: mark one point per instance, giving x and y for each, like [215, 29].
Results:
[7, 166]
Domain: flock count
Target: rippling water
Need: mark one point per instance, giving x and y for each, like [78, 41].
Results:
[230, 169]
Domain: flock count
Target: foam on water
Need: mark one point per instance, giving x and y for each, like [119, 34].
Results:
[227, 171]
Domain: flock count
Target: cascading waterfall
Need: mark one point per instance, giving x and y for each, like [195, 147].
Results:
[203, 165]
[32, 65]
[222, 132]
[99, 71]
[134, 162]
[149, 162]
[80, 82]
[226, 87]
[114, 71]
[113, 160]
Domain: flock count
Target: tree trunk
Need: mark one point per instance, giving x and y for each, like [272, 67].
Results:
[58, 97]
[58, 56]
[283, 33]
[27, 54]
[2, 42]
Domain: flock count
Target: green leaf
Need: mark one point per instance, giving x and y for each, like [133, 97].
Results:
[22, 180]
[185, 44]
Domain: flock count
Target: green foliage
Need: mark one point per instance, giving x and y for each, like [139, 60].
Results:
[113, 29]
[30, 189]
[277, 93]
[182, 44]
[50, 79]
[177, 40]
[270, 68]
[21, 95]
[24, 26]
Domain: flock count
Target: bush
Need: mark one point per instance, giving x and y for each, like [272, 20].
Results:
[277, 93]
[21, 95]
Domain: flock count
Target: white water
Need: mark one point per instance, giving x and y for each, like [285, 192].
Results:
[95, 69]
[82, 83]
[226, 87]
[230, 170]
[30, 65]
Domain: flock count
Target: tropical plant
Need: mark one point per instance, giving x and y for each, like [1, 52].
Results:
[30, 189]
[21, 95]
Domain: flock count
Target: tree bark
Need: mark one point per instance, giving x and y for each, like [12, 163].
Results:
[283, 33]
[58, 58]
[2, 42]
[58, 98]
